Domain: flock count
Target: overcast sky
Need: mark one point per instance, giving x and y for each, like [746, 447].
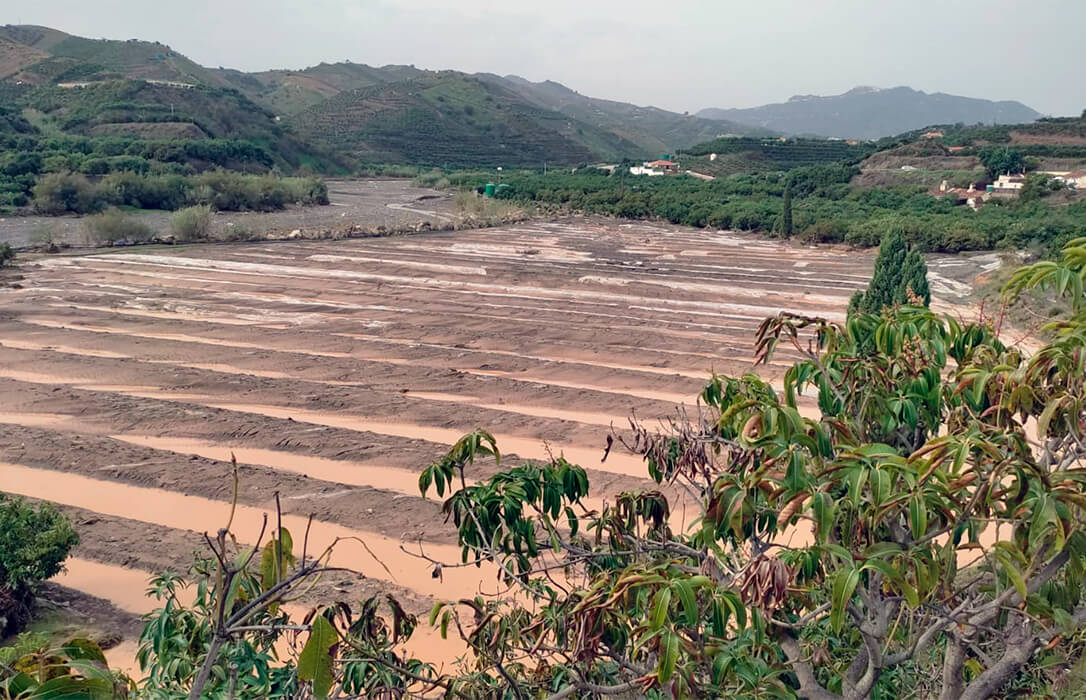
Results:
[677, 54]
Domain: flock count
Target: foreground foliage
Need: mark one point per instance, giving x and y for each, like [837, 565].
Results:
[73, 670]
[34, 542]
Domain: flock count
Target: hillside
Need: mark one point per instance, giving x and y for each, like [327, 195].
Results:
[68, 58]
[14, 56]
[450, 118]
[738, 155]
[288, 92]
[59, 85]
[871, 113]
[650, 130]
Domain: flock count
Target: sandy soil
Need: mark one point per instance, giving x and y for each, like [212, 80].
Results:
[335, 370]
[392, 204]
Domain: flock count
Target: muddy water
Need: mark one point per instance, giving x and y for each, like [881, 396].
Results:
[34, 420]
[68, 349]
[401, 481]
[528, 448]
[176, 337]
[624, 392]
[604, 419]
[183, 512]
[127, 589]
[537, 358]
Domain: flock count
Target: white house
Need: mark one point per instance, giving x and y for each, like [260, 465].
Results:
[1008, 185]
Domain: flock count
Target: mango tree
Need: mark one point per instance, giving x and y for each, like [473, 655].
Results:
[919, 529]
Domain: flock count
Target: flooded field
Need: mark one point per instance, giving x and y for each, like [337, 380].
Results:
[335, 371]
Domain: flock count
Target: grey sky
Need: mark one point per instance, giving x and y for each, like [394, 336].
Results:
[677, 54]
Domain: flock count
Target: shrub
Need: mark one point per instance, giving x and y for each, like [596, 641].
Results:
[168, 192]
[58, 193]
[114, 225]
[191, 223]
[6, 254]
[34, 542]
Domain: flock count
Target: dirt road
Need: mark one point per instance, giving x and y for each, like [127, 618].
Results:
[334, 371]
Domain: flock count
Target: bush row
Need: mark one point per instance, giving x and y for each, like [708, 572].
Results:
[59, 193]
[825, 208]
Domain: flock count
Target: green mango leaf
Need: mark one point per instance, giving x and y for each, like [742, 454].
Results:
[660, 606]
[824, 512]
[669, 656]
[83, 649]
[844, 585]
[918, 516]
[72, 688]
[1047, 414]
[315, 661]
[435, 611]
[689, 602]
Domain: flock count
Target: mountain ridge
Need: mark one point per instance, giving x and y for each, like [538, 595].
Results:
[581, 128]
[868, 112]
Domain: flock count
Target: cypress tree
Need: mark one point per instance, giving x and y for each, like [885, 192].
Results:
[914, 279]
[886, 279]
[786, 212]
[900, 277]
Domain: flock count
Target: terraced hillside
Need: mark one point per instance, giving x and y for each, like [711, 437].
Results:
[289, 92]
[334, 371]
[454, 119]
[65, 57]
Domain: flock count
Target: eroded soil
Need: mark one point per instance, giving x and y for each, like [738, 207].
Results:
[334, 371]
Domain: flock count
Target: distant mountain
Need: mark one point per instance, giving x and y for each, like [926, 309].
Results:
[871, 113]
[654, 130]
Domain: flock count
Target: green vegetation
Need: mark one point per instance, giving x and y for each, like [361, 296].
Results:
[787, 226]
[900, 278]
[75, 669]
[131, 126]
[58, 193]
[34, 542]
[826, 208]
[448, 120]
[191, 223]
[785, 153]
[6, 254]
[1001, 160]
[113, 225]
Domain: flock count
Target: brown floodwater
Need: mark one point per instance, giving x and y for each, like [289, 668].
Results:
[183, 512]
[588, 417]
[401, 481]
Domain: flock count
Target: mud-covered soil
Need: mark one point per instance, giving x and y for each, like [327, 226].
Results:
[335, 370]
